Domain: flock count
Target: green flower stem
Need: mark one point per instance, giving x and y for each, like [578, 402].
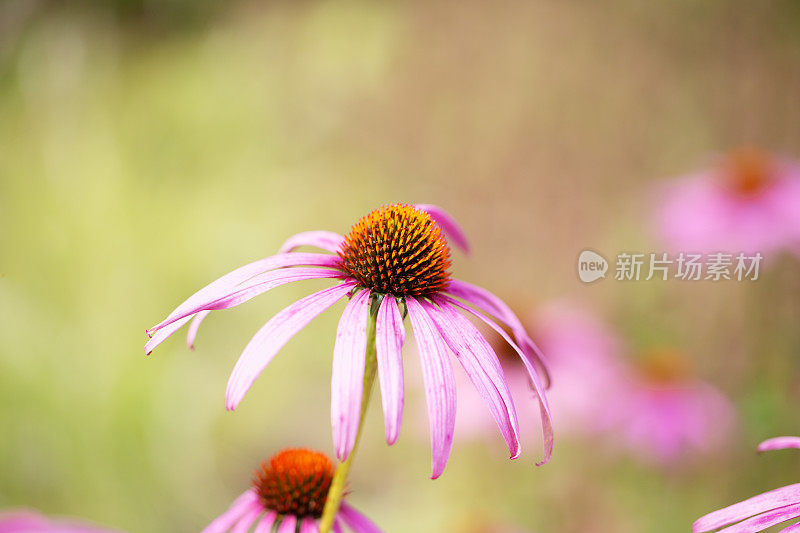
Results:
[336, 491]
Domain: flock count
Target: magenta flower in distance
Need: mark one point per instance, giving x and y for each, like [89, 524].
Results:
[759, 512]
[289, 493]
[749, 201]
[653, 407]
[394, 261]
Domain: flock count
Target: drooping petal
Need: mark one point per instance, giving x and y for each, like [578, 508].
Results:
[265, 524]
[222, 286]
[489, 303]
[337, 526]
[481, 365]
[779, 443]
[274, 335]
[357, 521]
[788, 495]
[238, 508]
[794, 528]
[288, 524]
[249, 518]
[389, 338]
[440, 387]
[251, 288]
[165, 333]
[308, 525]
[347, 376]
[326, 240]
[764, 520]
[194, 326]
[448, 225]
[544, 408]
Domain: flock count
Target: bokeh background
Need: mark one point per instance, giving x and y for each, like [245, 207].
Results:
[148, 147]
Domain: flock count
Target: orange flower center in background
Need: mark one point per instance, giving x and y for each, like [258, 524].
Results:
[748, 171]
[295, 481]
[664, 366]
[399, 250]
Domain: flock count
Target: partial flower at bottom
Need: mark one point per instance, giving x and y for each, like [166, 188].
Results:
[25, 521]
[759, 512]
[288, 495]
[394, 262]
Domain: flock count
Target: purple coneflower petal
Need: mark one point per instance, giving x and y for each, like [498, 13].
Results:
[163, 334]
[440, 387]
[389, 338]
[249, 518]
[768, 501]
[489, 303]
[779, 443]
[288, 524]
[251, 288]
[223, 285]
[326, 240]
[308, 525]
[764, 520]
[357, 521]
[481, 365]
[238, 508]
[794, 528]
[448, 225]
[274, 335]
[194, 326]
[337, 526]
[548, 435]
[347, 376]
[265, 524]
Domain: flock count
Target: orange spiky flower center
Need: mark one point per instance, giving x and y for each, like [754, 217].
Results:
[664, 367]
[398, 250]
[747, 171]
[294, 481]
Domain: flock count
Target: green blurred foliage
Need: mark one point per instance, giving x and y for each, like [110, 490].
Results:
[148, 147]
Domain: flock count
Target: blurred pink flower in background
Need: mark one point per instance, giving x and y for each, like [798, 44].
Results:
[747, 201]
[25, 521]
[654, 409]
[666, 413]
[759, 512]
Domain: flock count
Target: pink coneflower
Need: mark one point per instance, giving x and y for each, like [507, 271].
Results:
[762, 511]
[749, 201]
[394, 261]
[289, 492]
[652, 407]
[667, 414]
[24, 521]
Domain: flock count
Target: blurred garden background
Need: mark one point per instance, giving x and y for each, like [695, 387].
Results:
[148, 147]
